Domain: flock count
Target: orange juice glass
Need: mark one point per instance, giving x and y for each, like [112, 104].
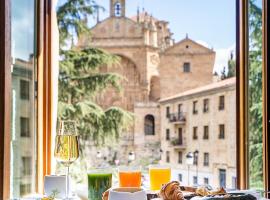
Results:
[130, 176]
[159, 175]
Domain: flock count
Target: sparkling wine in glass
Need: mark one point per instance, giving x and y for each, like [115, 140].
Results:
[67, 147]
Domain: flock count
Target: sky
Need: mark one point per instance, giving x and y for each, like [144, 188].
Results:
[209, 22]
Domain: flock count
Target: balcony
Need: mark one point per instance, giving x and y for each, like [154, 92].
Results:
[177, 118]
[178, 143]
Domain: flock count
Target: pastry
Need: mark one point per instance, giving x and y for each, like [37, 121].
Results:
[172, 191]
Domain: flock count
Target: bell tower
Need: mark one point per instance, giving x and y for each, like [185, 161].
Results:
[118, 8]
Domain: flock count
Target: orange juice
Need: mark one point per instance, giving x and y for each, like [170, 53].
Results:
[158, 177]
[130, 179]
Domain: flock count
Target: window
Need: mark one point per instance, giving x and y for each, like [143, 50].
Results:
[24, 90]
[117, 9]
[149, 125]
[26, 166]
[206, 181]
[205, 105]
[206, 159]
[167, 111]
[25, 189]
[25, 127]
[234, 182]
[205, 132]
[180, 157]
[167, 134]
[195, 180]
[195, 110]
[180, 177]
[221, 105]
[180, 109]
[222, 178]
[180, 136]
[195, 135]
[186, 67]
[167, 156]
[221, 131]
[195, 160]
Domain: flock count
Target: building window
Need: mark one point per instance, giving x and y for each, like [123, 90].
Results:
[117, 9]
[167, 156]
[206, 181]
[234, 182]
[186, 67]
[195, 159]
[222, 178]
[25, 127]
[195, 110]
[195, 134]
[195, 180]
[149, 125]
[167, 134]
[25, 189]
[205, 132]
[26, 166]
[221, 131]
[206, 159]
[24, 89]
[221, 105]
[180, 109]
[180, 177]
[180, 157]
[205, 105]
[168, 111]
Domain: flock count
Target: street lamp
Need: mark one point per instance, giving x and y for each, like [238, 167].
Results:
[189, 161]
[99, 154]
[196, 154]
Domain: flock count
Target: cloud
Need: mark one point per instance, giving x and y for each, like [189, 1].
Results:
[222, 56]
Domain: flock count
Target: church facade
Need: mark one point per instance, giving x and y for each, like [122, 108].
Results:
[154, 66]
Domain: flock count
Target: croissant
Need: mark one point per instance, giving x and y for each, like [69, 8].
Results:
[202, 191]
[172, 191]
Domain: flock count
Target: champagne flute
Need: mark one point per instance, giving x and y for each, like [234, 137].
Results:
[66, 147]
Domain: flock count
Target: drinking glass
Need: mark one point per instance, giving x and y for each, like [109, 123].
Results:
[66, 147]
[159, 175]
[129, 176]
[99, 180]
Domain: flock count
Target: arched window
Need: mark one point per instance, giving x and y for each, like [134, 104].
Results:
[149, 125]
[117, 9]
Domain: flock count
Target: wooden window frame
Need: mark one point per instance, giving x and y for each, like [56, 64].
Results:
[45, 85]
[242, 50]
[44, 100]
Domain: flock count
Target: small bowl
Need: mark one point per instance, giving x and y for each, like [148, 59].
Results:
[127, 194]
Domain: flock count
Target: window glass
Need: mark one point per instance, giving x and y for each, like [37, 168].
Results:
[205, 132]
[149, 125]
[186, 67]
[195, 134]
[206, 159]
[221, 131]
[185, 73]
[23, 140]
[255, 95]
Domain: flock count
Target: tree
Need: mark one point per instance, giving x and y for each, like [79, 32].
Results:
[231, 67]
[255, 95]
[80, 79]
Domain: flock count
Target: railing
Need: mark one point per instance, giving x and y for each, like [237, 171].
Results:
[176, 117]
[178, 143]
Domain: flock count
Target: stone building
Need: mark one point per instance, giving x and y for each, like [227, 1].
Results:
[155, 68]
[202, 120]
[23, 135]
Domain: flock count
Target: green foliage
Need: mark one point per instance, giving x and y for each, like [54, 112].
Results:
[80, 78]
[231, 69]
[255, 96]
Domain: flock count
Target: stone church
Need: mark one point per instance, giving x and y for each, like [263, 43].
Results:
[154, 67]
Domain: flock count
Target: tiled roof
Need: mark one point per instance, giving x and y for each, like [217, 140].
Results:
[220, 84]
